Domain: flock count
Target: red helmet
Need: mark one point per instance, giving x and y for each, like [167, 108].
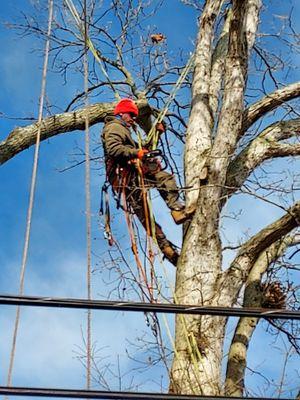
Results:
[126, 106]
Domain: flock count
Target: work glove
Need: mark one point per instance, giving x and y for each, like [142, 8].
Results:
[141, 153]
[160, 127]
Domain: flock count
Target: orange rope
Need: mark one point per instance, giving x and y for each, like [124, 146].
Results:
[148, 224]
[141, 271]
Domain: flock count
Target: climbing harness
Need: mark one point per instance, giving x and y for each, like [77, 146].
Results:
[153, 162]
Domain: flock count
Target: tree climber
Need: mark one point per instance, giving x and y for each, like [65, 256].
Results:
[121, 155]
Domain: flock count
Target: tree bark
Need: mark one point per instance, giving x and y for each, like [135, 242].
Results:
[237, 357]
[199, 340]
[198, 135]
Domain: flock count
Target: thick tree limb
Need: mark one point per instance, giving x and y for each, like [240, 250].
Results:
[218, 66]
[200, 262]
[22, 138]
[251, 21]
[237, 357]
[231, 280]
[198, 135]
[231, 113]
[269, 103]
[265, 146]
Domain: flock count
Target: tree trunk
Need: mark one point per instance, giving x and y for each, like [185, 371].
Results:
[199, 340]
[197, 362]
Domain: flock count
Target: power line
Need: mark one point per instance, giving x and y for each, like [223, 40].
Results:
[36, 301]
[99, 394]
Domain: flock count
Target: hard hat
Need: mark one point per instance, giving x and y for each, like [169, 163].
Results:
[126, 106]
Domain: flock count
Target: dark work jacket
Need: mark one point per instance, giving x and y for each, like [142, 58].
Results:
[118, 144]
[119, 149]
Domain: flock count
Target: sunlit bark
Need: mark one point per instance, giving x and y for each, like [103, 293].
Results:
[237, 357]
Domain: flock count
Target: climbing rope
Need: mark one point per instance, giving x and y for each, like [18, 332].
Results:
[87, 199]
[141, 271]
[32, 190]
[150, 233]
[153, 134]
[90, 44]
[152, 138]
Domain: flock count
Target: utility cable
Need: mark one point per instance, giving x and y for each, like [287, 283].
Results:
[32, 190]
[99, 394]
[168, 308]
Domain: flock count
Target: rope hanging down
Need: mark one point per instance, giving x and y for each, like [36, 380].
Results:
[153, 134]
[32, 190]
[151, 138]
[89, 43]
[88, 200]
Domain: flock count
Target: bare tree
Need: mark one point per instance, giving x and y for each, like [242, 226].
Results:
[227, 141]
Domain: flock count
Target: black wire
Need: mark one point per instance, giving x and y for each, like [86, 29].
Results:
[169, 308]
[97, 394]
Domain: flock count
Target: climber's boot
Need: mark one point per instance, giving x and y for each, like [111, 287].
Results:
[181, 216]
[170, 254]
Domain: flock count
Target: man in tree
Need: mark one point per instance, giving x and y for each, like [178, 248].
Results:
[124, 159]
[226, 128]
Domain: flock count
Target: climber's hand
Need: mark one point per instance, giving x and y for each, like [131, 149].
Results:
[160, 127]
[141, 153]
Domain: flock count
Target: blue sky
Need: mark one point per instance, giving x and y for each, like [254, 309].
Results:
[49, 339]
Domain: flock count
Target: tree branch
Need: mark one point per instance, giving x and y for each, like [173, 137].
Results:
[127, 75]
[269, 103]
[265, 146]
[231, 281]
[22, 138]
[237, 357]
[231, 113]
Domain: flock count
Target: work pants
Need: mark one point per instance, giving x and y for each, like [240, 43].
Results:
[132, 185]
